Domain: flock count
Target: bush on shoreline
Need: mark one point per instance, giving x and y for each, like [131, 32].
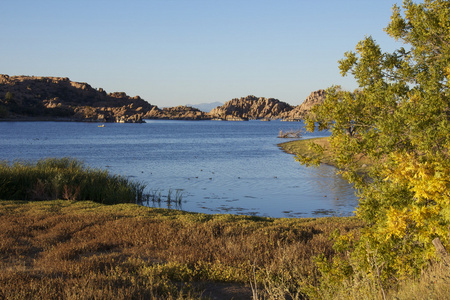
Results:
[65, 178]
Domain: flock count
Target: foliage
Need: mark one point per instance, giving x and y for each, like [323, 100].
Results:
[399, 119]
[9, 97]
[65, 178]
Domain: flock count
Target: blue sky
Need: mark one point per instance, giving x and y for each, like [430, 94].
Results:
[174, 52]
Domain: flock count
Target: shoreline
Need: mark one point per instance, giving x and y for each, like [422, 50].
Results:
[58, 119]
[44, 119]
[301, 147]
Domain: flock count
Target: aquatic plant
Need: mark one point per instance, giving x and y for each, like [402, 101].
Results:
[65, 178]
[172, 199]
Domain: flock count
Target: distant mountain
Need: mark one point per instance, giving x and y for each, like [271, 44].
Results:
[206, 107]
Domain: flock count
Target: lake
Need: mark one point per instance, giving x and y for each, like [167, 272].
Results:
[217, 167]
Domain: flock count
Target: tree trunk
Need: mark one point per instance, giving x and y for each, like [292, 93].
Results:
[441, 251]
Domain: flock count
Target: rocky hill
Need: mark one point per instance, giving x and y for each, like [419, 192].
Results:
[58, 98]
[299, 112]
[251, 107]
[177, 113]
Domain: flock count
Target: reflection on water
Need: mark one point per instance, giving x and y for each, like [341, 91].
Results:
[218, 167]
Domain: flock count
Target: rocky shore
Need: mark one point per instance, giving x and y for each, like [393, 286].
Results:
[60, 99]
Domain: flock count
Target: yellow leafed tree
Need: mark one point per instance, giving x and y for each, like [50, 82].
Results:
[399, 120]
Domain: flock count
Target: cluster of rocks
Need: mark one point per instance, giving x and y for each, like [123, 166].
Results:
[299, 112]
[250, 107]
[177, 113]
[58, 98]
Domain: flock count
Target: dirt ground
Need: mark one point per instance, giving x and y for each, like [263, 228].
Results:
[226, 291]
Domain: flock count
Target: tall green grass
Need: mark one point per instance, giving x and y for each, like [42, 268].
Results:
[66, 178]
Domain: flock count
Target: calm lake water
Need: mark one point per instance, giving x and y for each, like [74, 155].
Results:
[218, 167]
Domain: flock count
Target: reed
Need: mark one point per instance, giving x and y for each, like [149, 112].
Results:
[65, 178]
[173, 199]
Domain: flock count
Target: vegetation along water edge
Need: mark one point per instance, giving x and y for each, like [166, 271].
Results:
[78, 249]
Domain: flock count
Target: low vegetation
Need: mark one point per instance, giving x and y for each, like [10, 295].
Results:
[319, 150]
[84, 250]
[66, 178]
[307, 147]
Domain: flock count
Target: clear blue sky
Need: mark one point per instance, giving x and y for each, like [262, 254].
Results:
[174, 52]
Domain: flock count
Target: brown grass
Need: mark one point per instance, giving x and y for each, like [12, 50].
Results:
[434, 283]
[84, 250]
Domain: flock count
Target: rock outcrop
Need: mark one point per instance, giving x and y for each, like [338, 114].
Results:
[177, 113]
[299, 112]
[58, 98]
[250, 107]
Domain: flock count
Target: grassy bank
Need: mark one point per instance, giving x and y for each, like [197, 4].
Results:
[85, 250]
[303, 147]
[79, 250]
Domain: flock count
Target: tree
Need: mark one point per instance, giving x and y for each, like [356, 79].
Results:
[9, 97]
[399, 120]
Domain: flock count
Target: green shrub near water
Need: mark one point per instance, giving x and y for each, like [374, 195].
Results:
[65, 178]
